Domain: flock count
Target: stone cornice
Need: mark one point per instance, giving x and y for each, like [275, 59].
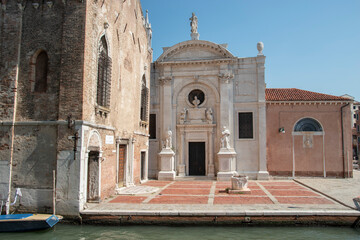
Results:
[197, 62]
[220, 50]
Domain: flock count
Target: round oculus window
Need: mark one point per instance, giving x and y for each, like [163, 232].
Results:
[196, 97]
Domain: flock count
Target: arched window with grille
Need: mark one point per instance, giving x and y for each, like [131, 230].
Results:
[144, 100]
[308, 125]
[104, 75]
[41, 72]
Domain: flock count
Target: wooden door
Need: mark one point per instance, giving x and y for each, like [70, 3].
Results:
[197, 158]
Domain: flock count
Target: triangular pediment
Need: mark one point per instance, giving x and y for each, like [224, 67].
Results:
[194, 50]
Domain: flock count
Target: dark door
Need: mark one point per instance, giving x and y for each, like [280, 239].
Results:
[142, 168]
[197, 158]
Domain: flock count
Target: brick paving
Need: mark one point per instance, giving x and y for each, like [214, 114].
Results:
[213, 193]
[185, 200]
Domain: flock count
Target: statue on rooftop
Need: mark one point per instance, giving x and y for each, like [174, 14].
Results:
[194, 23]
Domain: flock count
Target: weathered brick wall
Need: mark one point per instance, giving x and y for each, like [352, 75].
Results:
[72, 60]
[10, 21]
[42, 30]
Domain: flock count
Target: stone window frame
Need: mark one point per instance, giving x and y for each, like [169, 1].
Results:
[103, 84]
[238, 127]
[32, 74]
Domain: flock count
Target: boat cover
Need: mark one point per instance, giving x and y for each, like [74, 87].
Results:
[15, 216]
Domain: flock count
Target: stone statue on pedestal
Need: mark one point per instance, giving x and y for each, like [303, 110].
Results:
[194, 25]
[225, 138]
[168, 141]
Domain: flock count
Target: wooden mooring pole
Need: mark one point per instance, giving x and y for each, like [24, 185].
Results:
[54, 192]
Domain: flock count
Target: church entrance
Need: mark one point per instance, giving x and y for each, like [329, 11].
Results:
[197, 158]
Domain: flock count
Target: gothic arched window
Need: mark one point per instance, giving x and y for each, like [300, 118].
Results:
[104, 75]
[41, 71]
[308, 125]
[144, 100]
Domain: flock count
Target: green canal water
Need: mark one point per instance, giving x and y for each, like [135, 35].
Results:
[87, 232]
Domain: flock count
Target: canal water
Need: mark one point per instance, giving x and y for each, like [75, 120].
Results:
[88, 232]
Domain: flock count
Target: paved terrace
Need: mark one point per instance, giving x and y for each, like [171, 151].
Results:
[329, 199]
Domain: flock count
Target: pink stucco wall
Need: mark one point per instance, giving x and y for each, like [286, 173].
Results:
[286, 151]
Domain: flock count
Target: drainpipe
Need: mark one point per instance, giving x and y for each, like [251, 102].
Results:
[343, 143]
[14, 112]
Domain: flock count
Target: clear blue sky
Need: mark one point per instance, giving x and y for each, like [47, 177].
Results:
[309, 44]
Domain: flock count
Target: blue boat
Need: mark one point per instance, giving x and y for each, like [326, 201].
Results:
[27, 222]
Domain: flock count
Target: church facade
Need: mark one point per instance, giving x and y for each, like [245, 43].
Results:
[198, 88]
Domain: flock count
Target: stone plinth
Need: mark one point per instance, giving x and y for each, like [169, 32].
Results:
[166, 165]
[227, 164]
[195, 36]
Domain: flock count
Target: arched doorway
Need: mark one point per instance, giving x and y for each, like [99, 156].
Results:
[94, 167]
[308, 148]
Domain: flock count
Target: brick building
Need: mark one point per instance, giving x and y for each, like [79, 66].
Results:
[308, 133]
[74, 97]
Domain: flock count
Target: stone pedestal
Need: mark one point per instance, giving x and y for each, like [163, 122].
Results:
[181, 170]
[166, 165]
[263, 175]
[227, 164]
[195, 36]
[211, 170]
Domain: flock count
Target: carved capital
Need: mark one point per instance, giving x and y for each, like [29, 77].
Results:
[35, 5]
[226, 77]
[165, 80]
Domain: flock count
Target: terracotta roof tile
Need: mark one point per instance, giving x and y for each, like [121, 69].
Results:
[294, 94]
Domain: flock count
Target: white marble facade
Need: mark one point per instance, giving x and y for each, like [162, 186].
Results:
[197, 88]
